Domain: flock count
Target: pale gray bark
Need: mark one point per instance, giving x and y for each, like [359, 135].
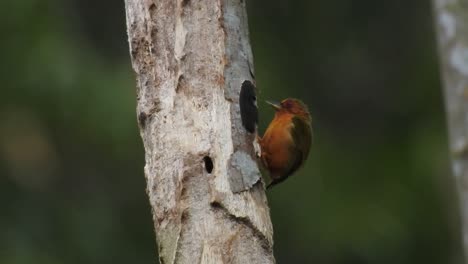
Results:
[451, 18]
[190, 59]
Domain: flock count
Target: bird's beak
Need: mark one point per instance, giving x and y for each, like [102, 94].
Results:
[275, 105]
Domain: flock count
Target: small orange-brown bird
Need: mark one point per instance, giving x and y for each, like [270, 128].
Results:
[286, 142]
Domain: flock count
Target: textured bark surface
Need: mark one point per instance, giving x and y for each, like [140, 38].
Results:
[204, 186]
[451, 18]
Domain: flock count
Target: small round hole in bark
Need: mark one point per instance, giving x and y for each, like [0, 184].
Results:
[208, 164]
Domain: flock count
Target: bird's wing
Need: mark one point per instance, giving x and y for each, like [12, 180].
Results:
[302, 135]
[301, 132]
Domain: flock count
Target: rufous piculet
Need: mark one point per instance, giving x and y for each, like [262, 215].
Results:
[286, 142]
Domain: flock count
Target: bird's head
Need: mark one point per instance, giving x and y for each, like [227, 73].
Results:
[291, 106]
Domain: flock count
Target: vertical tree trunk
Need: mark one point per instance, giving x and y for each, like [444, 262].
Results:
[451, 18]
[191, 59]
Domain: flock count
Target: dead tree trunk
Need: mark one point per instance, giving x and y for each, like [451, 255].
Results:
[191, 59]
[451, 18]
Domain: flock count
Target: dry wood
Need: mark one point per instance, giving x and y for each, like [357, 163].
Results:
[451, 17]
[203, 182]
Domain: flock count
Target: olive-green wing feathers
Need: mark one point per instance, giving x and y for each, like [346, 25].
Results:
[302, 135]
[301, 132]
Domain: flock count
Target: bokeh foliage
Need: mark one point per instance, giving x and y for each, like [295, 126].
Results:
[376, 188]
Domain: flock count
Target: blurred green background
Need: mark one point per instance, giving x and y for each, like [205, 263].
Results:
[376, 188]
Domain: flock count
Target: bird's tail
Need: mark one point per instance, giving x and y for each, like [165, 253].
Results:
[275, 181]
[270, 185]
